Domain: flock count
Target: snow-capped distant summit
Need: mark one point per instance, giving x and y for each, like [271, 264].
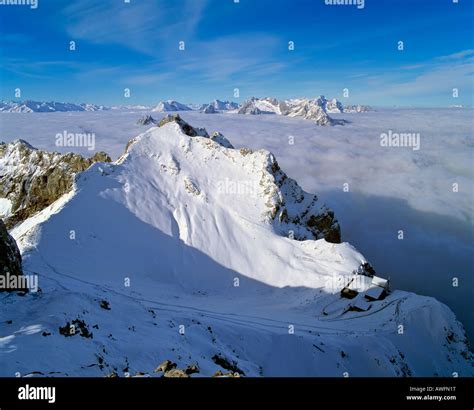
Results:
[209, 109]
[357, 108]
[52, 106]
[219, 105]
[332, 106]
[170, 106]
[256, 105]
[315, 109]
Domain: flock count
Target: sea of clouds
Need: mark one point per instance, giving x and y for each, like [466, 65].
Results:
[389, 188]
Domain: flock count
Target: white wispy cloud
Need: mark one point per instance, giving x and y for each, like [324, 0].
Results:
[144, 26]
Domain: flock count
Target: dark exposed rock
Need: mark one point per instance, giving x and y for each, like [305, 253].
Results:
[76, 327]
[185, 127]
[146, 120]
[10, 257]
[366, 269]
[226, 364]
[326, 224]
[105, 304]
[192, 368]
[293, 209]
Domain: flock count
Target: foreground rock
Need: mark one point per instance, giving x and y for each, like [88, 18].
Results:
[32, 179]
[10, 258]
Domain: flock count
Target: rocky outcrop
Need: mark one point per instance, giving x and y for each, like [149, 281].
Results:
[221, 140]
[185, 127]
[146, 120]
[175, 373]
[10, 258]
[227, 364]
[295, 213]
[195, 132]
[165, 366]
[33, 179]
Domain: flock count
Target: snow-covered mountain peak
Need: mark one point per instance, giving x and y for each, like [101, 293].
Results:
[221, 241]
[283, 204]
[170, 106]
[218, 105]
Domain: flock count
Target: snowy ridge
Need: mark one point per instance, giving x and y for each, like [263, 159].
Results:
[201, 232]
[219, 105]
[311, 109]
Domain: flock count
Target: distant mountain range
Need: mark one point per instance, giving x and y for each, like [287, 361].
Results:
[52, 106]
[316, 110]
[311, 109]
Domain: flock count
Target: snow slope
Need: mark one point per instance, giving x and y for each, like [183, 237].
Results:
[182, 220]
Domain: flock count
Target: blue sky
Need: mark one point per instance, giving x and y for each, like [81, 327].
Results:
[135, 45]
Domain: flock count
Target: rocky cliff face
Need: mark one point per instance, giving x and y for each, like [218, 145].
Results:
[31, 179]
[10, 258]
[292, 212]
